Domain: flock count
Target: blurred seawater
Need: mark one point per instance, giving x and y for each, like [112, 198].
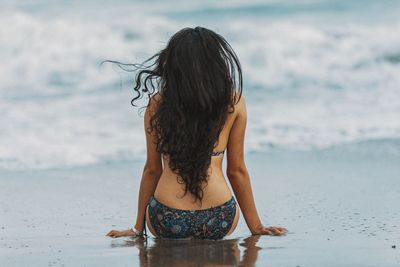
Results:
[317, 74]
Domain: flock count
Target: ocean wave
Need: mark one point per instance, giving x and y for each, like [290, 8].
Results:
[309, 85]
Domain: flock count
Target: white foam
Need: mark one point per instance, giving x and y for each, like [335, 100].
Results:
[308, 85]
[318, 89]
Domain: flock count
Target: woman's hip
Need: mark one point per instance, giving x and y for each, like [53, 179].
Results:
[211, 223]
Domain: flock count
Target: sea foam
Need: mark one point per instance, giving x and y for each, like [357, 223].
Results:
[309, 84]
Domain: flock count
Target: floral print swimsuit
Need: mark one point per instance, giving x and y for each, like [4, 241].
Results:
[211, 223]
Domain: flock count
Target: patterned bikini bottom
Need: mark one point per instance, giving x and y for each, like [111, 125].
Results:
[211, 223]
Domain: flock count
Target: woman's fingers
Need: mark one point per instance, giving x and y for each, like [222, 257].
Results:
[274, 231]
[114, 233]
[282, 230]
[266, 231]
[110, 233]
[278, 231]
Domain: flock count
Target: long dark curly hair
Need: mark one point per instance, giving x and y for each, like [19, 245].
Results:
[198, 77]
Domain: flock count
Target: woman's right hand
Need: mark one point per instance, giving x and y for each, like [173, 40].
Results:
[262, 230]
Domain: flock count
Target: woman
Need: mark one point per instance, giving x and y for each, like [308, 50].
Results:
[195, 116]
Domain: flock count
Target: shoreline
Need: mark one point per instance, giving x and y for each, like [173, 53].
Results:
[338, 204]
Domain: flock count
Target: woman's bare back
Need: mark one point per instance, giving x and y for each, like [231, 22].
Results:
[217, 192]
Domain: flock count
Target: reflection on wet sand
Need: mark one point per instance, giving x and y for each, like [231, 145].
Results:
[192, 252]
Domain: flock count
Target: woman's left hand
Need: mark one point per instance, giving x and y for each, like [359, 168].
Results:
[116, 233]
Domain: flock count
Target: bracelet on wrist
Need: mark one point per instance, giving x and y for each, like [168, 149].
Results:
[137, 232]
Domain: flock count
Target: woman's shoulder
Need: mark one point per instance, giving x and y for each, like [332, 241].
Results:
[240, 99]
[156, 97]
[239, 102]
[154, 100]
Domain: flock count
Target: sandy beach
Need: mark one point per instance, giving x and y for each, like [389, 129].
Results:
[340, 205]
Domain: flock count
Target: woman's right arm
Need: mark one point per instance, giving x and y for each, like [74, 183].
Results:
[239, 177]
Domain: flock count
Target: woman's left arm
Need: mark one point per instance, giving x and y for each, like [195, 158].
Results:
[151, 174]
[152, 168]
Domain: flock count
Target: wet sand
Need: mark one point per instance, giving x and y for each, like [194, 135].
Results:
[340, 206]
